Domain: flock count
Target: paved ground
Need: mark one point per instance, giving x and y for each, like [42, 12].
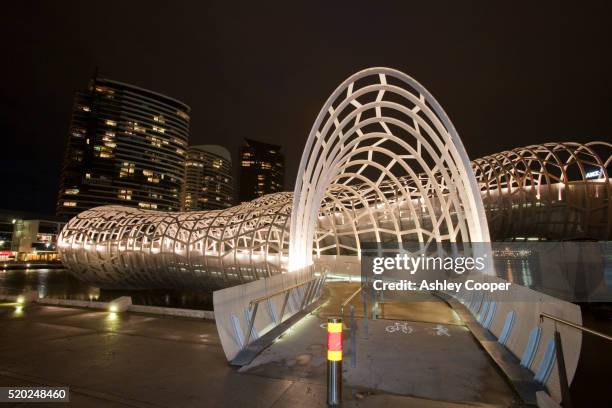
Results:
[426, 354]
[131, 360]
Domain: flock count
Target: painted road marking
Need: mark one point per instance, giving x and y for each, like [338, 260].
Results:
[399, 326]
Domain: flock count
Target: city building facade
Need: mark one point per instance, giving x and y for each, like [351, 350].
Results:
[28, 236]
[126, 145]
[208, 179]
[262, 169]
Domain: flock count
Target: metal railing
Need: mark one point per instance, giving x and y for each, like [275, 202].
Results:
[563, 381]
[314, 286]
[575, 326]
[348, 300]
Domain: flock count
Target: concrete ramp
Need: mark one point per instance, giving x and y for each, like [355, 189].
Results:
[436, 359]
[286, 295]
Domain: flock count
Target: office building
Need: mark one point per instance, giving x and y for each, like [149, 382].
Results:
[208, 179]
[127, 146]
[262, 169]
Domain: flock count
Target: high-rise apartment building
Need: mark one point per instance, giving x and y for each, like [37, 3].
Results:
[208, 179]
[126, 146]
[262, 169]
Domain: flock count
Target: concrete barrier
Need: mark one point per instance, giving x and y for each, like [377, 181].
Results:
[171, 311]
[73, 303]
[25, 297]
[121, 304]
[526, 316]
[233, 316]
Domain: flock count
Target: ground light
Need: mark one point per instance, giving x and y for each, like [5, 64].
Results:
[20, 299]
[113, 309]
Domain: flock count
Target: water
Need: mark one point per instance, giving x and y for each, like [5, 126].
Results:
[60, 284]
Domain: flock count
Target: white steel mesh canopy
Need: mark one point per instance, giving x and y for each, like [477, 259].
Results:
[128, 247]
[382, 130]
[551, 191]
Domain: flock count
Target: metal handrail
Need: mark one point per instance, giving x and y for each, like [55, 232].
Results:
[311, 291]
[279, 292]
[348, 300]
[575, 326]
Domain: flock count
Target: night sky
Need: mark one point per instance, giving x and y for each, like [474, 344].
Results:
[507, 75]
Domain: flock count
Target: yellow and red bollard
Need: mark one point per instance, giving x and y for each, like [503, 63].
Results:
[334, 361]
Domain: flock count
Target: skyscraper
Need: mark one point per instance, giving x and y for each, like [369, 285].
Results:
[262, 169]
[126, 145]
[208, 179]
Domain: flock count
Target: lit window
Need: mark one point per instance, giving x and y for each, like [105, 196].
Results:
[126, 169]
[138, 128]
[151, 176]
[72, 191]
[159, 119]
[70, 203]
[147, 205]
[182, 114]
[110, 122]
[103, 89]
[124, 194]
[155, 141]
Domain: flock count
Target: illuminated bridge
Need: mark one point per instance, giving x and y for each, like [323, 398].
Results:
[382, 163]
[542, 192]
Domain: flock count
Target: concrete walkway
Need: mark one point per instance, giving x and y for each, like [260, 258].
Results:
[132, 360]
[419, 349]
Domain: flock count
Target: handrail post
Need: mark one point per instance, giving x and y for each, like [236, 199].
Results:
[364, 302]
[251, 323]
[566, 400]
[306, 295]
[353, 338]
[282, 314]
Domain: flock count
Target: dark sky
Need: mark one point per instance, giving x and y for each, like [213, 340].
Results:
[507, 75]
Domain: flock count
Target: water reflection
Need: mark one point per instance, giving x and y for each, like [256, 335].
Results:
[60, 284]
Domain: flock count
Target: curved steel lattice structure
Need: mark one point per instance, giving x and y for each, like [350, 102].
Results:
[383, 163]
[382, 130]
[116, 246]
[548, 191]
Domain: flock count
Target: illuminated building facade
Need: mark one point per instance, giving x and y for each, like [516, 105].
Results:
[262, 169]
[208, 179]
[126, 146]
[28, 236]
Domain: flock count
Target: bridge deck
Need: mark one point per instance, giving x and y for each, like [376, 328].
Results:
[419, 348]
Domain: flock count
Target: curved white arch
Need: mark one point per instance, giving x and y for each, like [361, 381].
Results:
[384, 128]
